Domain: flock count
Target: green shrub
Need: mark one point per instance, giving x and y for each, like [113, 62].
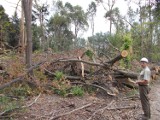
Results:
[61, 86]
[8, 103]
[62, 92]
[127, 45]
[40, 75]
[89, 53]
[58, 75]
[4, 99]
[22, 91]
[77, 91]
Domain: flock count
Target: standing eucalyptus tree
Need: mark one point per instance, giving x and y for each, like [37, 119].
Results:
[27, 7]
[91, 13]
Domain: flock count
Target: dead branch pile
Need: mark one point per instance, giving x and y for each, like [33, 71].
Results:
[102, 75]
[81, 69]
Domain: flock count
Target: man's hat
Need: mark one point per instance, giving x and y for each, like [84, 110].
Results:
[144, 60]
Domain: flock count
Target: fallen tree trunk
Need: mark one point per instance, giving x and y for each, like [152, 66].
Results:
[128, 74]
[123, 54]
[76, 60]
[11, 82]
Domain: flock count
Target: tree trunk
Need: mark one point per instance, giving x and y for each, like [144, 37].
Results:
[22, 42]
[151, 33]
[141, 36]
[27, 6]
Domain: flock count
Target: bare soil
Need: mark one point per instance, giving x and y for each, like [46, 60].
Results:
[100, 107]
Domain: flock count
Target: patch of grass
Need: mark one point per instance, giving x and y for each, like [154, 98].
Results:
[77, 91]
[61, 92]
[23, 90]
[4, 99]
[61, 86]
[58, 75]
[8, 103]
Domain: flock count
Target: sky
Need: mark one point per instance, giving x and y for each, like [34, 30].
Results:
[101, 25]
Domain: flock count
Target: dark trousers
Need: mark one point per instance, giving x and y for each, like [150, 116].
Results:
[144, 91]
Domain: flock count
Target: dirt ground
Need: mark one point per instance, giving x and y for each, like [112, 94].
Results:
[155, 101]
[90, 107]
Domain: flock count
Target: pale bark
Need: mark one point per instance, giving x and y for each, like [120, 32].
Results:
[27, 6]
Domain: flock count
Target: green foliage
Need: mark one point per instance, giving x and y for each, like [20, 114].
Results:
[91, 11]
[79, 19]
[77, 91]
[58, 75]
[127, 42]
[127, 45]
[5, 28]
[40, 75]
[36, 36]
[4, 99]
[13, 35]
[62, 36]
[7, 103]
[79, 43]
[60, 85]
[156, 56]
[90, 54]
[98, 42]
[9, 28]
[116, 40]
[23, 90]
[62, 92]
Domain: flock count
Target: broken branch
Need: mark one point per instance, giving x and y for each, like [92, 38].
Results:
[58, 116]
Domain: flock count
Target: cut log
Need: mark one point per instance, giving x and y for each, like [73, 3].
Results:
[128, 74]
[123, 54]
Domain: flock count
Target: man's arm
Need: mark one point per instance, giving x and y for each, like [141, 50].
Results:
[142, 82]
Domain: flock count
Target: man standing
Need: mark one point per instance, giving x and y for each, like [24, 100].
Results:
[143, 83]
